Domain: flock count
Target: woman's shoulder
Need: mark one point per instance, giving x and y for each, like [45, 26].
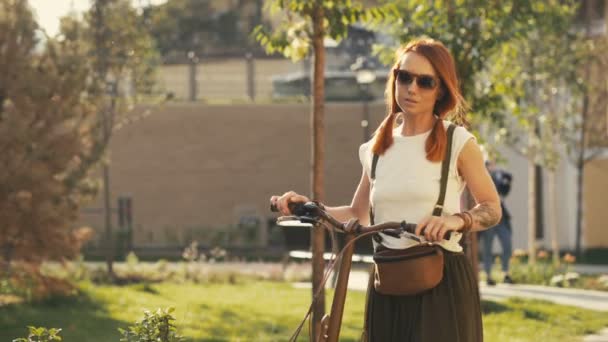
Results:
[460, 139]
[460, 133]
[366, 147]
[365, 154]
[447, 123]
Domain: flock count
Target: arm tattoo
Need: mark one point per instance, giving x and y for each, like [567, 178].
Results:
[484, 216]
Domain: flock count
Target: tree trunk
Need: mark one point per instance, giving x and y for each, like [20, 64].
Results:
[580, 163]
[539, 203]
[531, 211]
[318, 132]
[553, 217]
[580, 168]
[107, 198]
[101, 35]
[7, 257]
[108, 219]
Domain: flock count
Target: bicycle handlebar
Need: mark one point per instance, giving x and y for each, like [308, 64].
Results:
[311, 213]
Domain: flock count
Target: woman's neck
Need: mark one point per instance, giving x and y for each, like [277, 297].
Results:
[417, 124]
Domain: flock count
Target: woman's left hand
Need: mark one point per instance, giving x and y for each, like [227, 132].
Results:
[435, 227]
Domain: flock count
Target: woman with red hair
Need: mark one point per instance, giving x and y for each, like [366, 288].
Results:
[422, 92]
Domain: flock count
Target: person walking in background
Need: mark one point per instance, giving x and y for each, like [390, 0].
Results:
[502, 180]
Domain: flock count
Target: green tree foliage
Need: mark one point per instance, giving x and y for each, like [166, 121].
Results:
[588, 136]
[474, 31]
[120, 47]
[122, 60]
[293, 36]
[536, 77]
[557, 91]
[539, 70]
[181, 26]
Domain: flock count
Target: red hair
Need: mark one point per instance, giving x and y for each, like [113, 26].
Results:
[451, 102]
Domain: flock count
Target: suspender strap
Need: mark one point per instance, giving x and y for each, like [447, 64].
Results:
[445, 168]
[373, 176]
[374, 163]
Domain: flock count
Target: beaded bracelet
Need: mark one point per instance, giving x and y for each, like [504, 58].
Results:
[467, 218]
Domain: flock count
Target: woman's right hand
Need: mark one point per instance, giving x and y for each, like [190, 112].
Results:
[282, 202]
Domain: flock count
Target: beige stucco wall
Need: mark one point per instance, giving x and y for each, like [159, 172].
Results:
[194, 166]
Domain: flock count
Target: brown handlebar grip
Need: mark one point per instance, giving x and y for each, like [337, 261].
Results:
[446, 236]
[411, 228]
[294, 207]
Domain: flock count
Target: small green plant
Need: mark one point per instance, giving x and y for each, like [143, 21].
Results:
[132, 261]
[41, 335]
[154, 327]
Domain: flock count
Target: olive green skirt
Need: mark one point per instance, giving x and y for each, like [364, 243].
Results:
[450, 312]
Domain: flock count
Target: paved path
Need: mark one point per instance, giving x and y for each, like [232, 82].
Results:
[590, 269]
[594, 300]
[601, 336]
[588, 299]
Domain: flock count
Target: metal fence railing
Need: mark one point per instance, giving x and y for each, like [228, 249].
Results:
[247, 79]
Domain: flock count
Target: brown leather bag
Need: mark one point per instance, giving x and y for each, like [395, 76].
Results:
[416, 269]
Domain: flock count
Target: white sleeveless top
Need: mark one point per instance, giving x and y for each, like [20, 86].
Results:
[406, 186]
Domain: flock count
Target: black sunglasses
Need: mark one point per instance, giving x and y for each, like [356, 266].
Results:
[423, 81]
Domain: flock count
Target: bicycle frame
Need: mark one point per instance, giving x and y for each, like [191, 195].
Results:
[332, 323]
[310, 213]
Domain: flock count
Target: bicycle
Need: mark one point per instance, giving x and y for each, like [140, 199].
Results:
[311, 215]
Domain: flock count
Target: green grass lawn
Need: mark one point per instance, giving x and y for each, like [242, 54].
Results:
[262, 311]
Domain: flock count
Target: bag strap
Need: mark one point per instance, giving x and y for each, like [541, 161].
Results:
[445, 168]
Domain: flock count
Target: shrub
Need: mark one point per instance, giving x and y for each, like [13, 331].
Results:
[41, 335]
[545, 272]
[27, 282]
[155, 326]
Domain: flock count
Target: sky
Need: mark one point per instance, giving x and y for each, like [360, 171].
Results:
[48, 12]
